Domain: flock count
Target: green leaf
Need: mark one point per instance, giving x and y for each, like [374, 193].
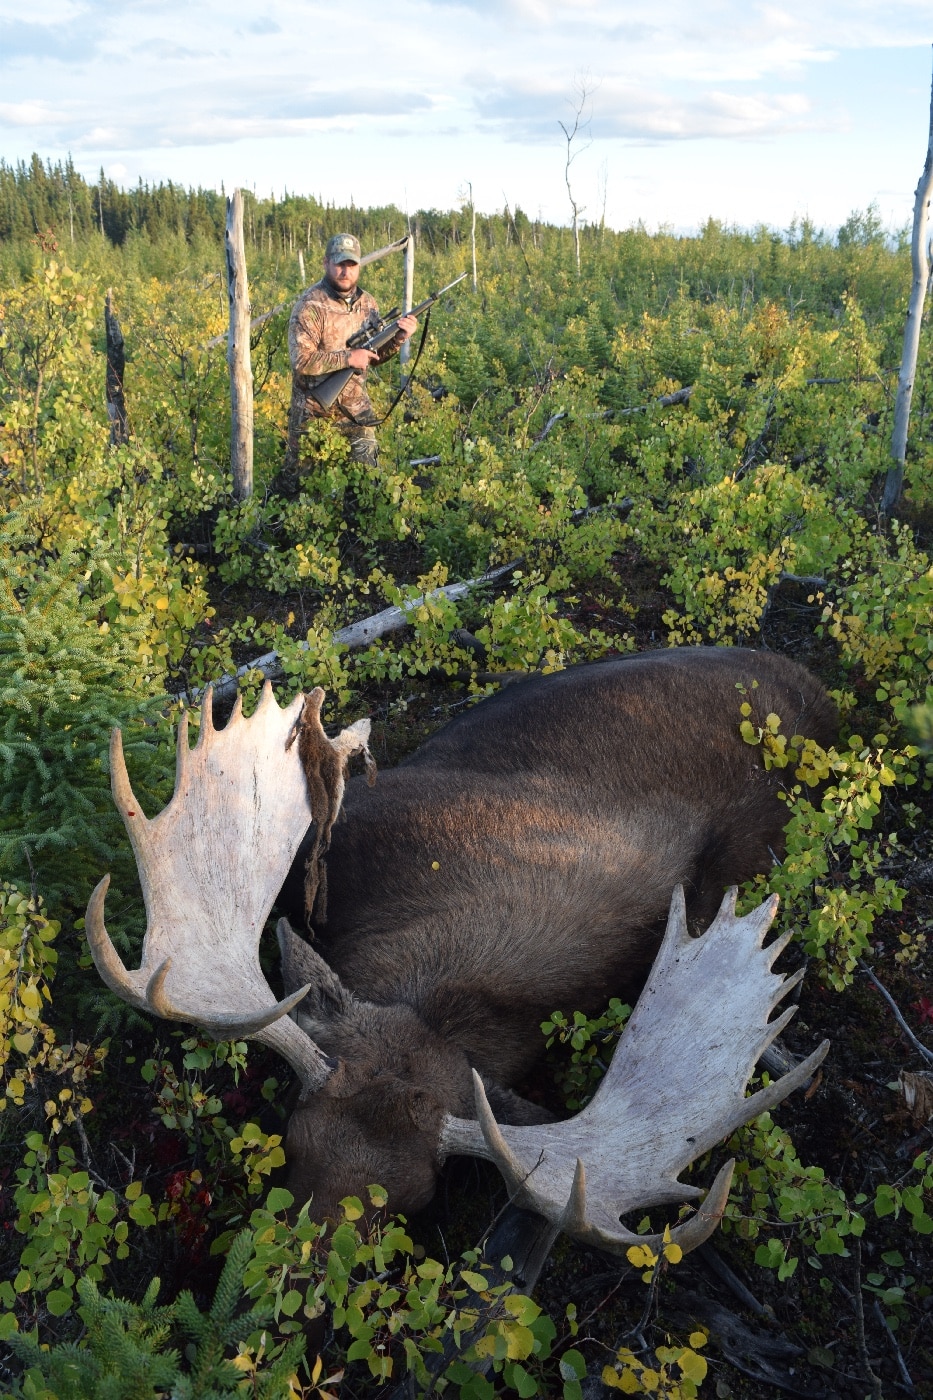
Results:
[59, 1301]
[278, 1199]
[520, 1380]
[572, 1366]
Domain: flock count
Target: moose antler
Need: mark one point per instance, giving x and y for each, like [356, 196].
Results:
[211, 864]
[674, 1089]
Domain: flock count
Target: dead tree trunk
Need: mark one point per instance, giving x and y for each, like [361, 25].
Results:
[473, 233]
[116, 365]
[920, 265]
[572, 134]
[241, 374]
[407, 301]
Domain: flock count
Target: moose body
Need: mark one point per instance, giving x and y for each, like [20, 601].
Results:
[522, 860]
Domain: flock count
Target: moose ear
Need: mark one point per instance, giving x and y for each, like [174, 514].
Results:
[509, 1107]
[424, 1109]
[327, 996]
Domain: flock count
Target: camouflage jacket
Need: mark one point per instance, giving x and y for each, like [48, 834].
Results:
[320, 326]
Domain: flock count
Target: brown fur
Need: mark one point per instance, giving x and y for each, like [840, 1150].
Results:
[560, 816]
[323, 770]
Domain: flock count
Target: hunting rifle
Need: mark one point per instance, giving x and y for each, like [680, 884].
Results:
[371, 338]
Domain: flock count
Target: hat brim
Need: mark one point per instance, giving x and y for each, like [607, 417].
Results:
[344, 257]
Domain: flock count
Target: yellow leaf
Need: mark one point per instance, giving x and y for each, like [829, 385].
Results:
[673, 1253]
[161, 603]
[693, 1366]
[698, 1339]
[519, 1341]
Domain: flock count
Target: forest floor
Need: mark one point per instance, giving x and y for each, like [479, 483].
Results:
[822, 1332]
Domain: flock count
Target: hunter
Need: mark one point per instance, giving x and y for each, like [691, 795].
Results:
[323, 319]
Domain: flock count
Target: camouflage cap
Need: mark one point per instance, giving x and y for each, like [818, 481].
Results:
[343, 247]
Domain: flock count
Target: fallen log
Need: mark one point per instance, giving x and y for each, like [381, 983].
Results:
[358, 634]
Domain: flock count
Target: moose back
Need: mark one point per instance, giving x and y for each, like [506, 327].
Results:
[522, 860]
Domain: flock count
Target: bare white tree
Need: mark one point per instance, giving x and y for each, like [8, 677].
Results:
[466, 197]
[574, 133]
[238, 353]
[920, 260]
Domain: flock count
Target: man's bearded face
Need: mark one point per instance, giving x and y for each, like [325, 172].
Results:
[343, 275]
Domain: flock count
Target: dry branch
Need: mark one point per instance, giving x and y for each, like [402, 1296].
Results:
[918, 1045]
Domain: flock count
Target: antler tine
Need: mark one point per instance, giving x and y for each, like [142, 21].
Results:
[676, 934]
[777, 946]
[120, 785]
[236, 714]
[207, 714]
[182, 751]
[792, 980]
[772, 1094]
[106, 958]
[500, 1152]
[222, 1027]
[689, 1234]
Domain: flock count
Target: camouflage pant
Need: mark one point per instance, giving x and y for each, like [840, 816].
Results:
[363, 445]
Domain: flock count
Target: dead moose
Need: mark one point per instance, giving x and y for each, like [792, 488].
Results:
[523, 859]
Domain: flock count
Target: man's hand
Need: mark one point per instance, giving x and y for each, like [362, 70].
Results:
[362, 359]
[408, 324]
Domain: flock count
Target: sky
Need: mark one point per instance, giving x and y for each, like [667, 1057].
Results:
[693, 109]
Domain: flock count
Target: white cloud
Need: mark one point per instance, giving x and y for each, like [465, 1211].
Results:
[425, 94]
[28, 114]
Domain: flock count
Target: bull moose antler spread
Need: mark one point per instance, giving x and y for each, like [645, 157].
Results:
[211, 865]
[674, 1089]
[518, 860]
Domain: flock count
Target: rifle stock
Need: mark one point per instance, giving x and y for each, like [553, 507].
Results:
[331, 386]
